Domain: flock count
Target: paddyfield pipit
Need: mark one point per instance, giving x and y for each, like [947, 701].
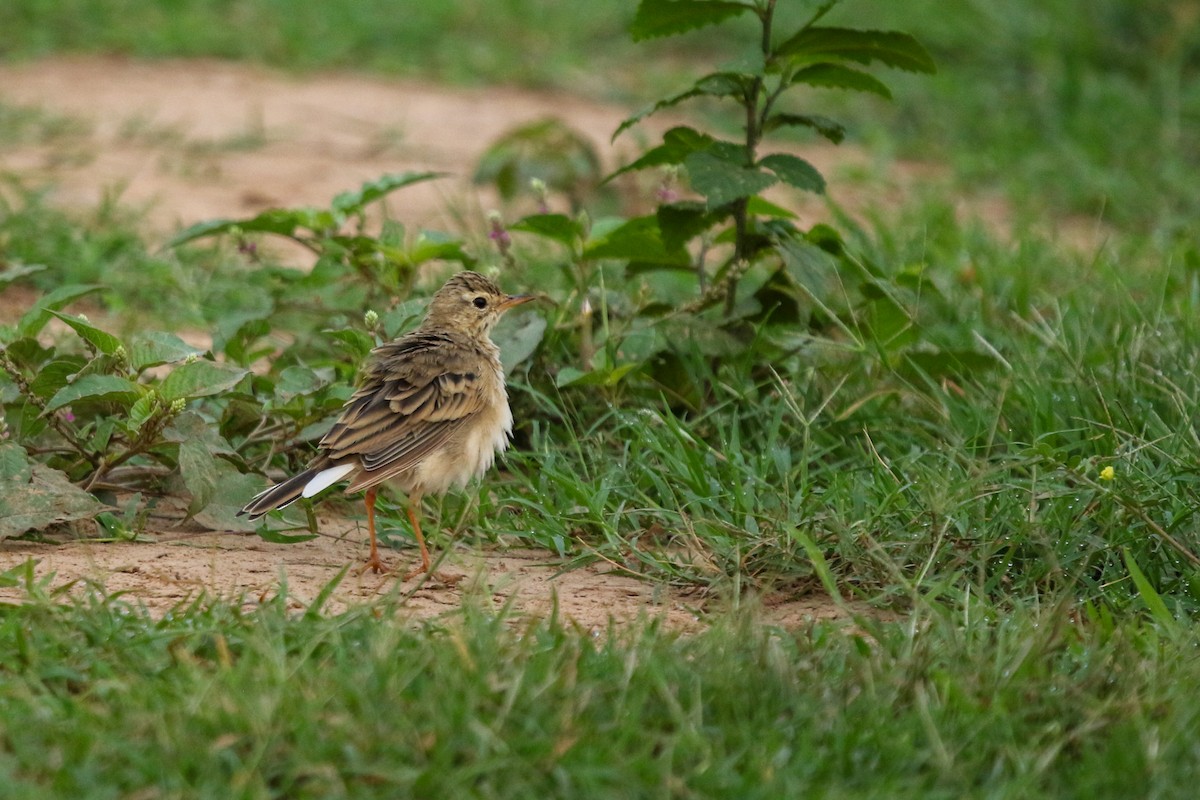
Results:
[431, 411]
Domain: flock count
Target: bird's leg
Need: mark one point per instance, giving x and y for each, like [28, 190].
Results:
[373, 562]
[414, 503]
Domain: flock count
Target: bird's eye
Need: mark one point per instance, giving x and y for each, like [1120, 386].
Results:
[480, 302]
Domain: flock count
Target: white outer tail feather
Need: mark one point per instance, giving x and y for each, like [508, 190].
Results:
[326, 478]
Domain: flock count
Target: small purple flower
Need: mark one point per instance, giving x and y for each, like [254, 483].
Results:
[67, 415]
[498, 233]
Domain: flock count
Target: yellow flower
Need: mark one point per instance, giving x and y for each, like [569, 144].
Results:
[1107, 474]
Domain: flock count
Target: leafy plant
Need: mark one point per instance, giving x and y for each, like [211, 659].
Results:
[731, 274]
[731, 176]
[386, 262]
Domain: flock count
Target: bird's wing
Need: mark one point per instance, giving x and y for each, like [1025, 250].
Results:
[416, 392]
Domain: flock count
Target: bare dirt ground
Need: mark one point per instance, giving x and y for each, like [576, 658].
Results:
[195, 140]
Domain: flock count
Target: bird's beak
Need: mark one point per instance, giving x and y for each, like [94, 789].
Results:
[513, 300]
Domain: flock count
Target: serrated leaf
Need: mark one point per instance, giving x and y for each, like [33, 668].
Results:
[657, 18]
[353, 201]
[681, 222]
[892, 48]
[678, 144]
[103, 341]
[152, 348]
[722, 180]
[718, 84]
[32, 322]
[794, 171]
[200, 379]
[835, 76]
[34, 496]
[556, 227]
[96, 388]
[638, 238]
[830, 129]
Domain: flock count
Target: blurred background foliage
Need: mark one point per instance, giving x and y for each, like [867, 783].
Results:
[1071, 106]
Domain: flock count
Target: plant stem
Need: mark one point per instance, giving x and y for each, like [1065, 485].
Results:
[754, 127]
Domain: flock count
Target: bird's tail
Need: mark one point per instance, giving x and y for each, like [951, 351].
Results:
[281, 495]
[305, 484]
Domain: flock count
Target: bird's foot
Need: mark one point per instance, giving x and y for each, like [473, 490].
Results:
[375, 565]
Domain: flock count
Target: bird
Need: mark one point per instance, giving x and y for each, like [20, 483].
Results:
[430, 412]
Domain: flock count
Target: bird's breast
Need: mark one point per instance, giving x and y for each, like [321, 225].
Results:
[473, 449]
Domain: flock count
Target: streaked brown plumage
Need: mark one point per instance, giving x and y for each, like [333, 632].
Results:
[431, 411]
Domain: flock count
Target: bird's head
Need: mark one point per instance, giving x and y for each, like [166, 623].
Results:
[470, 303]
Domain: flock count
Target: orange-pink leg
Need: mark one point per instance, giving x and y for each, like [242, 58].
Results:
[414, 504]
[374, 563]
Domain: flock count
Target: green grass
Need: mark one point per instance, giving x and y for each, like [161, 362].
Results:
[102, 700]
[925, 428]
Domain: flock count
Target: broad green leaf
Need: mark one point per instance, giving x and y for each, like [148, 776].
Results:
[34, 496]
[152, 348]
[281, 221]
[191, 427]
[794, 171]
[835, 76]
[15, 464]
[353, 201]
[198, 467]
[518, 336]
[296, 381]
[638, 238]
[95, 388]
[35, 319]
[230, 492]
[892, 48]
[723, 180]
[200, 379]
[830, 129]
[656, 18]
[681, 222]
[427, 249]
[557, 227]
[103, 341]
[142, 410]
[356, 342]
[209, 227]
[55, 375]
